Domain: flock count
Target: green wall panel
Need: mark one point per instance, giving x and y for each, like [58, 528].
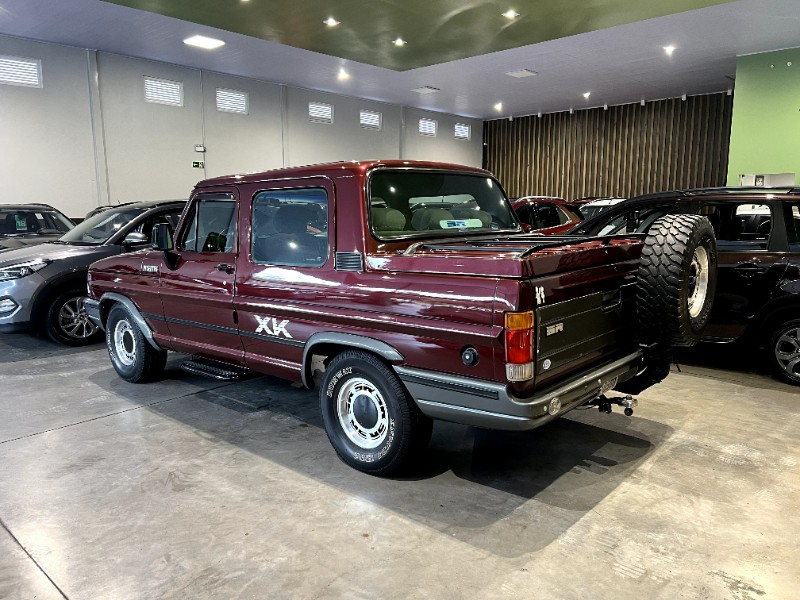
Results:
[765, 132]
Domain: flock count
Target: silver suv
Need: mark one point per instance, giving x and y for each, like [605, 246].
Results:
[42, 287]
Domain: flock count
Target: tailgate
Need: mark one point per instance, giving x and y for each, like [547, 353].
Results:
[573, 334]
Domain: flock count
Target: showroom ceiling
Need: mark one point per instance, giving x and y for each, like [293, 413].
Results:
[608, 49]
[431, 32]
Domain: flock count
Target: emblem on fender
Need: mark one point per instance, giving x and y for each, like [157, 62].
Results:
[271, 326]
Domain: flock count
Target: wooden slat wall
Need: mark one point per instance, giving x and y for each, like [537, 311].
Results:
[623, 151]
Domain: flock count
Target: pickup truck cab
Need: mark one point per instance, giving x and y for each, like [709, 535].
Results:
[405, 292]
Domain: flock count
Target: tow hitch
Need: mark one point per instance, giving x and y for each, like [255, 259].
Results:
[603, 403]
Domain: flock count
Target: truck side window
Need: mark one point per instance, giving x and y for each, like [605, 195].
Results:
[290, 227]
[740, 227]
[212, 225]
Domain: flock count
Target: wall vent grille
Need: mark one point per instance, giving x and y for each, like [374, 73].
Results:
[232, 101]
[26, 72]
[163, 91]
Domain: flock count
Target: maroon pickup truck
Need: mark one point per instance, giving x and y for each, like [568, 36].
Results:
[405, 292]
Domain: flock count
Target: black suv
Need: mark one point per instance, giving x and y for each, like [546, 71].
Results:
[758, 243]
[27, 224]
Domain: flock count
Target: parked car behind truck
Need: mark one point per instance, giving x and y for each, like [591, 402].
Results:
[404, 292]
[758, 237]
[42, 287]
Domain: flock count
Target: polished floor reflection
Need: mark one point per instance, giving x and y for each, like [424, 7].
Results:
[191, 488]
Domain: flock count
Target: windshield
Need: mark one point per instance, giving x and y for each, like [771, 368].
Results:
[430, 203]
[36, 221]
[99, 228]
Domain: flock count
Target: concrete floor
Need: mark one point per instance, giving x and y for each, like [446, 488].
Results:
[189, 488]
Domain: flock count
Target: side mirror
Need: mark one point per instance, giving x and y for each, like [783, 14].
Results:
[162, 237]
[526, 228]
[134, 238]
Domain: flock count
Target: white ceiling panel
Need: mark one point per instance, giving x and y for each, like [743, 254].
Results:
[619, 65]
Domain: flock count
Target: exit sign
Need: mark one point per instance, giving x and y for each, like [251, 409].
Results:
[198, 164]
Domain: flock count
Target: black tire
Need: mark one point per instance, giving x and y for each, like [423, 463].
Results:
[66, 321]
[371, 421]
[133, 357]
[784, 351]
[676, 280]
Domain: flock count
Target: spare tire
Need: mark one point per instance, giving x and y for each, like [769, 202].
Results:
[677, 279]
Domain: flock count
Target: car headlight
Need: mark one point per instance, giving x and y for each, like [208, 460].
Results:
[22, 269]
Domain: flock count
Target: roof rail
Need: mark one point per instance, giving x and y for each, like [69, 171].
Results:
[685, 193]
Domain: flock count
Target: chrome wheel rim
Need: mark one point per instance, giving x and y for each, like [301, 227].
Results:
[124, 343]
[363, 414]
[698, 281]
[787, 352]
[73, 320]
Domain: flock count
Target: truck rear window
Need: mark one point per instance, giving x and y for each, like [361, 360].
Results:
[425, 203]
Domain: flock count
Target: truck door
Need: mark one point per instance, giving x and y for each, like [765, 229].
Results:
[285, 274]
[198, 283]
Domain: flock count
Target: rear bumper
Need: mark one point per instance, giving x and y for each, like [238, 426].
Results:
[488, 404]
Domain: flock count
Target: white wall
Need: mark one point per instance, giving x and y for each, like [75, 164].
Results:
[344, 139]
[444, 147]
[46, 140]
[87, 137]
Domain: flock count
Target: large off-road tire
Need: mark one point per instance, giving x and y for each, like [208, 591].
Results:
[133, 357]
[676, 280]
[784, 351]
[66, 321]
[371, 421]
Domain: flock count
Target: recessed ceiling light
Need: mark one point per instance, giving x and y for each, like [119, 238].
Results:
[511, 14]
[343, 75]
[399, 42]
[331, 22]
[587, 94]
[520, 73]
[498, 107]
[426, 89]
[202, 41]
[669, 49]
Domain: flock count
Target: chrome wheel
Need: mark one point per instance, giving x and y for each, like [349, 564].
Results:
[787, 352]
[698, 281]
[124, 343]
[73, 321]
[363, 414]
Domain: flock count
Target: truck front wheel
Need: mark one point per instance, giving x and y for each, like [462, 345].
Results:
[134, 359]
[371, 421]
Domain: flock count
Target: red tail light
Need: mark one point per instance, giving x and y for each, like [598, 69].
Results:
[519, 341]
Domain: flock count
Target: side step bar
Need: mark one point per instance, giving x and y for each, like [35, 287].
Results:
[213, 369]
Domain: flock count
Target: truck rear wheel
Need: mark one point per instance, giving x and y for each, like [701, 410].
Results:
[371, 421]
[134, 359]
[677, 280]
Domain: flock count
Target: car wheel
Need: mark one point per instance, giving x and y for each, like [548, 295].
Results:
[66, 321]
[677, 280]
[785, 351]
[371, 421]
[133, 357]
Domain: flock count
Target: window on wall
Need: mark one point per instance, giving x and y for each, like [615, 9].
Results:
[371, 119]
[319, 112]
[232, 101]
[163, 91]
[427, 127]
[26, 72]
[462, 131]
